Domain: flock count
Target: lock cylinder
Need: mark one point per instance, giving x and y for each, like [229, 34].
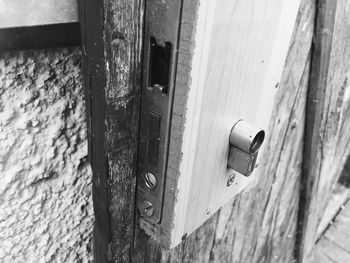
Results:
[245, 142]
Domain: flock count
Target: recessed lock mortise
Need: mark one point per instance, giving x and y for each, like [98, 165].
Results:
[156, 106]
[159, 60]
[159, 66]
[245, 142]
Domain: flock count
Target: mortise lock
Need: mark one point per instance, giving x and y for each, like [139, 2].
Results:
[245, 142]
[157, 92]
[156, 104]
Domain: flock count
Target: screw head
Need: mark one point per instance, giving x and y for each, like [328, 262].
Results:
[150, 180]
[146, 208]
[160, 88]
[230, 180]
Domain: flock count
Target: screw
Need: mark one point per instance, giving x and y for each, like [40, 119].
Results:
[147, 208]
[150, 180]
[230, 180]
[160, 88]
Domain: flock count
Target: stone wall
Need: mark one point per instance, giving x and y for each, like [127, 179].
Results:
[46, 210]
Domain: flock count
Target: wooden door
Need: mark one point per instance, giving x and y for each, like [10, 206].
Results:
[261, 223]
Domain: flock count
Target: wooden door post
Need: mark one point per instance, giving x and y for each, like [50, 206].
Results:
[316, 122]
[111, 36]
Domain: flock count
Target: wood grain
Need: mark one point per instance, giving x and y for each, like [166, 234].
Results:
[123, 37]
[331, 142]
[248, 44]
[112, 48]
[316, 96]
[339, 197]
[94, 79]
[334, 246]
[260, 224]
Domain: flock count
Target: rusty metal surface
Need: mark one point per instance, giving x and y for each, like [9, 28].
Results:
[23, 13]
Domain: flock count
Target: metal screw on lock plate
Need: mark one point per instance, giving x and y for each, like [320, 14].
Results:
[161, 89]
[146, 208]
[230, 180]
[245, 141]
[150, 180]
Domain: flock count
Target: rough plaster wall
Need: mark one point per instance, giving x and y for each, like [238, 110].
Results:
[45, 182]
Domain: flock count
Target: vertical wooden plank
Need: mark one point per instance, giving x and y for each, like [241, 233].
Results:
[329, 148]
[334, 245]
[335, 144]
[314, 128]
[194, 97]
[94, 83]
[123, 39]
[112, 48]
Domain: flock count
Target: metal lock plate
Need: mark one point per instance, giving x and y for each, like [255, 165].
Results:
[159, 60]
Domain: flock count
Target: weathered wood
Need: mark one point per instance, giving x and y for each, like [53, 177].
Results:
[340, 195]
[334, 246]
[123, 38]
[112, 47]
[330, 146]
[320, 60]
[94, 83]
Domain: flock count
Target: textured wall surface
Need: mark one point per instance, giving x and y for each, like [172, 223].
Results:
[45, 181]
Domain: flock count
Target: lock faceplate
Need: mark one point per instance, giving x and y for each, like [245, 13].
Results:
[159, 60]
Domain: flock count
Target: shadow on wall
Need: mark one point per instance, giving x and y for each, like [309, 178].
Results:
[45, 181]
